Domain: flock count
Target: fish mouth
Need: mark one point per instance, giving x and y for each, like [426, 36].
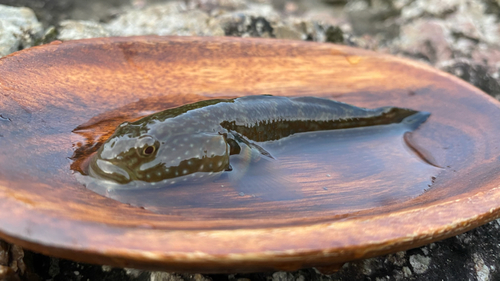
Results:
[107, 170]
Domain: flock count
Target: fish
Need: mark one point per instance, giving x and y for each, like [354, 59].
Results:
[197, 140]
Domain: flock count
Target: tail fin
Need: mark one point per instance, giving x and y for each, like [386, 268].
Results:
[413, 121]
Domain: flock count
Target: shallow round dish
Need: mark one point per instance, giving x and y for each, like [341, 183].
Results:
[60, 101]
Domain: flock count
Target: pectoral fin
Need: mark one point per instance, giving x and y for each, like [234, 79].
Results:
[238, 138]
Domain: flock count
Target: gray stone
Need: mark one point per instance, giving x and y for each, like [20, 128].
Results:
[255, 21]
[133, 272]
[19, 29]
[464, 19]
[217, 18]
[477, 73]
[106, 268]
[73, 30]
[435, 43]
[373, 17]
[165, 276]
[215, 6]
[173, 18]
[398, 258]
[407, 272]
[417, 9]
[369, 266]
[442, 30]
[420, 263]
[282, 276]
[262, 20]
[482, 270]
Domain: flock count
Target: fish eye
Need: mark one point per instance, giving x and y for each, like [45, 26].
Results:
[148, 150]
[146, 146]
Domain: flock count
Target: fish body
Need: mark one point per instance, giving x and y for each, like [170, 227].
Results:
[196, 140]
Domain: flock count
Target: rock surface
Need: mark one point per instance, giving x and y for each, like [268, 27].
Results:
[205, 18]
[165, 19]
[458, 36]
[73, 30]
[19, 29]
[12, 263]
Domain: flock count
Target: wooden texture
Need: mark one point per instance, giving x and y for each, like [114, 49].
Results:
[59, 102]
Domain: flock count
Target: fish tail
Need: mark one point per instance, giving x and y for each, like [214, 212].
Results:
[413, 121]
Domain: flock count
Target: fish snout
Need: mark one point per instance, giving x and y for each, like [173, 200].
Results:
[104, 169]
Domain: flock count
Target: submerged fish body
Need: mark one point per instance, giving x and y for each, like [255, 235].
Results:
[196, 140]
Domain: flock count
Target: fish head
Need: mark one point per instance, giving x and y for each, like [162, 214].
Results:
[124, 157]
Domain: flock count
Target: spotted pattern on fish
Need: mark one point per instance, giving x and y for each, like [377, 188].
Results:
[196, 140]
